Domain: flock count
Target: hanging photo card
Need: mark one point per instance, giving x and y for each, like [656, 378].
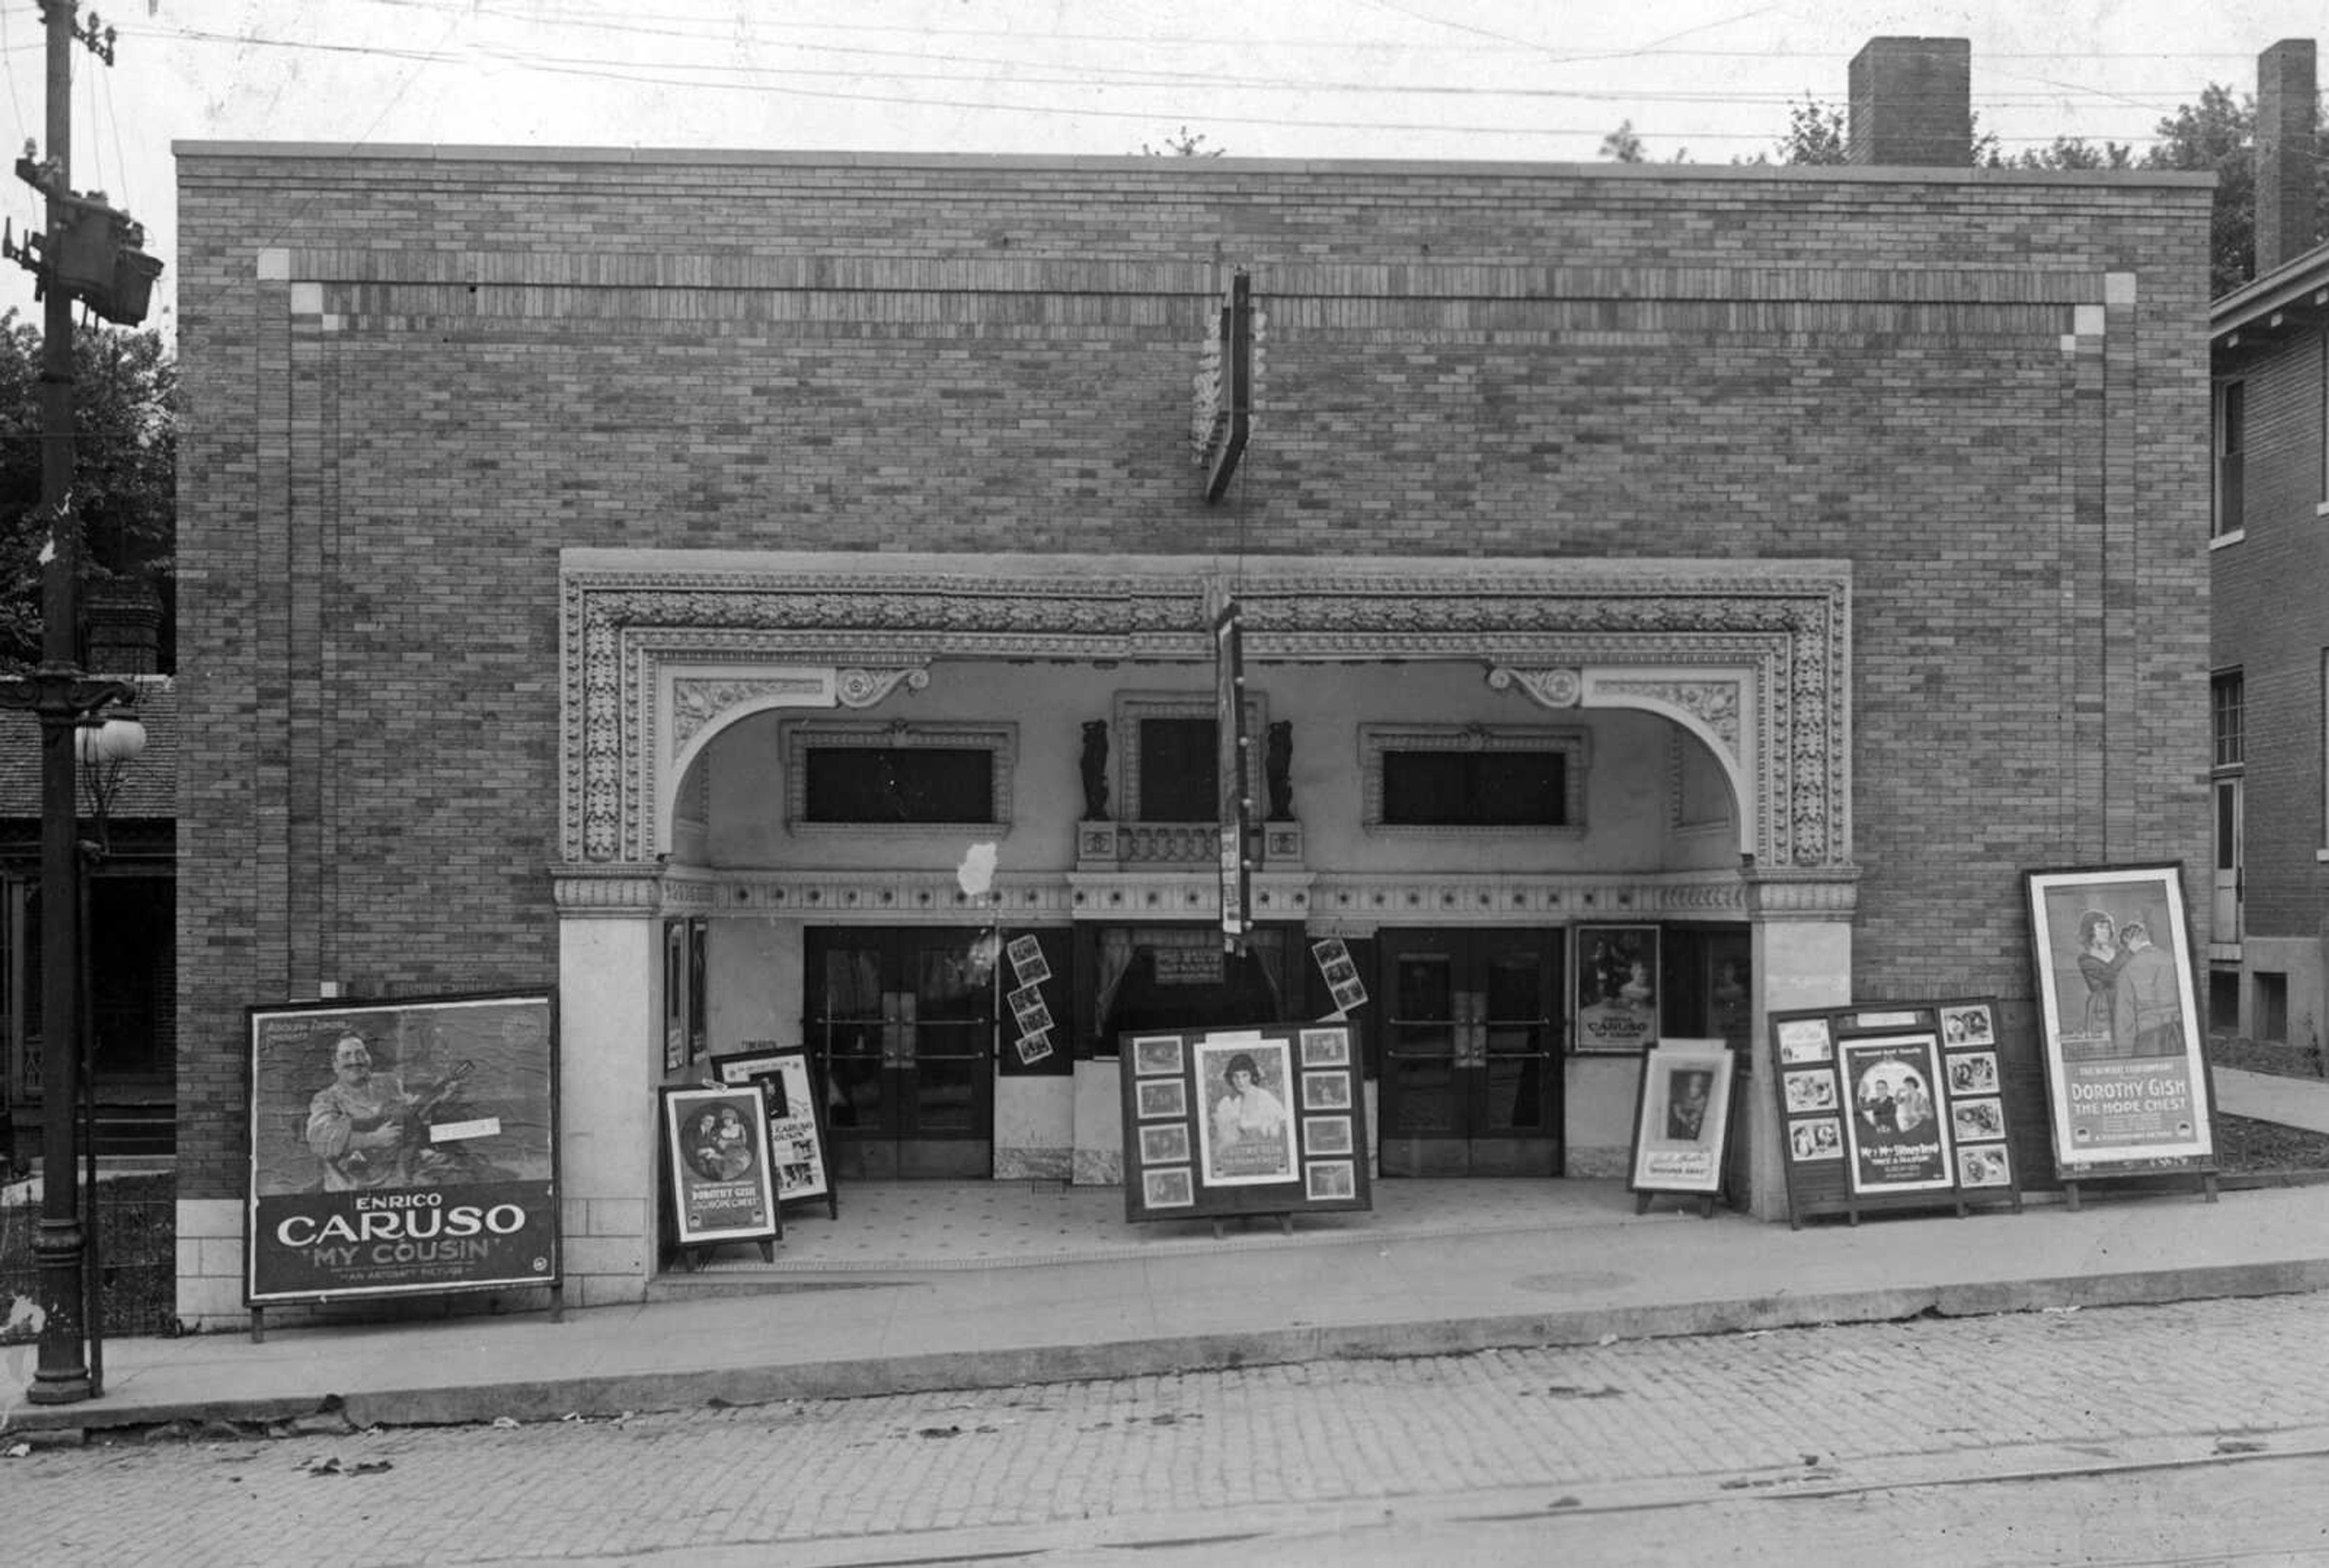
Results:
[1340, 974]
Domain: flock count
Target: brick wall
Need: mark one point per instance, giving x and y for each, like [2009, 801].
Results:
[412, 379]
[2272, 623]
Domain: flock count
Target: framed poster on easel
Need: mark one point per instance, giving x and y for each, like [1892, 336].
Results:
[796, 1140]
[1871, 1116]
[1681, 1123]
[1225, 1122]
[2126, 1076]
[715, 1140]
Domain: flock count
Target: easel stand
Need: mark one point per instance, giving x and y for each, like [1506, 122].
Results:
[1704, 1201]
[691, 1259]
[1285, 1222]
[557, 1309]
[2206, 1176]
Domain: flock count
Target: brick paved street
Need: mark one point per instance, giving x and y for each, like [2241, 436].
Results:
[1647, 1421]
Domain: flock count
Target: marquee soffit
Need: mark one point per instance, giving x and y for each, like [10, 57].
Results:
[659, 650]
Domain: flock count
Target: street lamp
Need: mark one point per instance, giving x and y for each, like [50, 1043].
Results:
[105, 744]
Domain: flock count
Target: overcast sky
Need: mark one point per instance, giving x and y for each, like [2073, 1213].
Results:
[1527, 80]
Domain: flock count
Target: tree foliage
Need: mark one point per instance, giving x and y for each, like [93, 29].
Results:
[125, 396]
[2218, 134]
[1187, 145]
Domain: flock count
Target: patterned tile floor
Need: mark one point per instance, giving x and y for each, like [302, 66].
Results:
[902, 1227]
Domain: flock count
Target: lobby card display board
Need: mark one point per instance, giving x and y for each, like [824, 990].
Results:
[1880, 1111]
[1227, 1122]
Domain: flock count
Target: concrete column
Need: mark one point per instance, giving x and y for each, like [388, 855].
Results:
[1803, 958]
[608, 1062]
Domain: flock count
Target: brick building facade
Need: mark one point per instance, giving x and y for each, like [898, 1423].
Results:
[544, 513]
[2269, 429]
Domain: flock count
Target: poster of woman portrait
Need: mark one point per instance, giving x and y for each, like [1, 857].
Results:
[1682, 1117]
[1245, 1122]
[2120, 1032]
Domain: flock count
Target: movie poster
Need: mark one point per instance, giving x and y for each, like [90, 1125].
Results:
[1895, 1122]
[405, 1148]
[1245, 1125]
[723, 1179]
[1617, 988]
[2123, 1046]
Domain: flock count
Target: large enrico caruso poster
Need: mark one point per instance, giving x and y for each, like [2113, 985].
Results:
[402, 1148]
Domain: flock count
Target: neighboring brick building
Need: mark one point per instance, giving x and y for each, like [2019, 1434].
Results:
[556, 527]
[2269, 565]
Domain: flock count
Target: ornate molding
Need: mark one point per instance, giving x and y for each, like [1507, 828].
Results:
[626, 613]
[1550, 688]
[1715, 703]
[864, 688]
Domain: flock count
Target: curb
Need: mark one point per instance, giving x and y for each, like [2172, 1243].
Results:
[537, 1400]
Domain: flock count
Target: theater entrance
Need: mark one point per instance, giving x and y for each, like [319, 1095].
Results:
[902, 1023]
[1471, 1053]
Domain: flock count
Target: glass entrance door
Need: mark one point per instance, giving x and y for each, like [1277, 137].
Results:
[901, 1020]
[1471, 1053]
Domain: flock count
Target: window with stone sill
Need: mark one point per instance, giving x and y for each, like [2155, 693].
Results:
[1473, 779]
[852, 776]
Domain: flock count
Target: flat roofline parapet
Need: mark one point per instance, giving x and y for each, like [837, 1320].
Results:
[1183, 167]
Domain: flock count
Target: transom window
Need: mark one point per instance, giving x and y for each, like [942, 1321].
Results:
[840, 773]
[1456, 777]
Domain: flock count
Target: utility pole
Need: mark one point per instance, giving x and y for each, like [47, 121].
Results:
[89, 253]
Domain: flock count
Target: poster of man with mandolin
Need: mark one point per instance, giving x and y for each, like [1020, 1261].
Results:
[424, 1164]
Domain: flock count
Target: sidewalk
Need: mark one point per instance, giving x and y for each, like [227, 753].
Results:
[923, 1286]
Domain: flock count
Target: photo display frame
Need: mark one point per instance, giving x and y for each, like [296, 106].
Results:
[796, 1114]
[401, 1148]
[717, 1169]
[1221, 1122]
[1682, 1121]
[2120, 1033]
[1892, 1106]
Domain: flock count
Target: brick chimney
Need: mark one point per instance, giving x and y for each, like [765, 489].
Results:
[1913, 103]
[2285, 115]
